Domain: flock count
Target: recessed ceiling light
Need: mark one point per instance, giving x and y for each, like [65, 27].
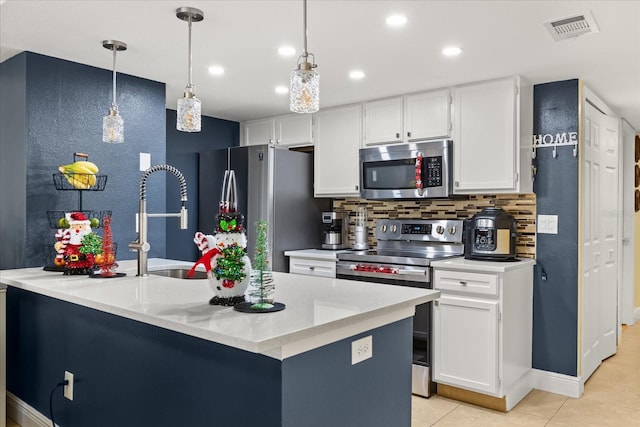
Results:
[286, 50]
[356, 74]
[281, 90]
[216, 70]
[451, 51]
[396, 20]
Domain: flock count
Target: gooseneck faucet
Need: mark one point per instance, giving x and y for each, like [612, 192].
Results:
[141, 245]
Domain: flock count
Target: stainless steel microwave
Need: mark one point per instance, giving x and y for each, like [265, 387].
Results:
[420, 170]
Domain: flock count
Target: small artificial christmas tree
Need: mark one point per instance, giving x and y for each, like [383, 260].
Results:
[261, 279]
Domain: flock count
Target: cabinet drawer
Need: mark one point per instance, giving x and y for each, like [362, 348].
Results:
[470, 283]
[312, 267]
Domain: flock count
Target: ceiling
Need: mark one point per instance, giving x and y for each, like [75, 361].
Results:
[498, 38]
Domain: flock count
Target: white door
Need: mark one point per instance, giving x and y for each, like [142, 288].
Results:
[599, 239]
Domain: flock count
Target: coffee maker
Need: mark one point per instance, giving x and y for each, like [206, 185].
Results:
[335, 229]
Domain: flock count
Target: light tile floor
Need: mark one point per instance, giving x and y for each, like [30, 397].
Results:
[611, 398]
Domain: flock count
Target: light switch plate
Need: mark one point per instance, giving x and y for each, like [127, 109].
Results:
[361, 349]
[547, 224]
[145, 161]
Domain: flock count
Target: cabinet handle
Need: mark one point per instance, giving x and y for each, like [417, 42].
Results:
[397, 135]
[408, 134]
[311, 267]
[457, 184]
[356, 188]
[270, 141]
[463, 283]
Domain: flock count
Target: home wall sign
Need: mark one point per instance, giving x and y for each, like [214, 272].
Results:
[559, 139]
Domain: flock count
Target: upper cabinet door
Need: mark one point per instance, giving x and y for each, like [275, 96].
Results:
[383, 121]
[338, 134]
[256, 132]
[293, 130]
[427, 115]
[486, 137]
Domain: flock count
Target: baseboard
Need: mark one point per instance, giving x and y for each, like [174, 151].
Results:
[24, 414]
[558, 383]
[519, 390]
[636, 314]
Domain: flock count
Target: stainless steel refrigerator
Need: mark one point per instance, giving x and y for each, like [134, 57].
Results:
[273, 184]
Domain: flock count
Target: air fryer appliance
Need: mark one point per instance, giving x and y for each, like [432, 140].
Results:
[491, 235]
[335, 230]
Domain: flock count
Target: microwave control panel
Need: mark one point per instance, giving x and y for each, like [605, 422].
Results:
[433, 171]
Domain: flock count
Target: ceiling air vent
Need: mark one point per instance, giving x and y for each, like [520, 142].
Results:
[572, 26]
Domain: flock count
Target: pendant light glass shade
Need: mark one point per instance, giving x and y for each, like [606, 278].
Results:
[189, 107]
[112, 123]
[304, 89]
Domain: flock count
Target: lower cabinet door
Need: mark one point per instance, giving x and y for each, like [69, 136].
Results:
[466, 343]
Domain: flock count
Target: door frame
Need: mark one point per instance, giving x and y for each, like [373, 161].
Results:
[627, 185]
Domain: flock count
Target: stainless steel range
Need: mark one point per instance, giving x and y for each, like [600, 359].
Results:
[403, 257]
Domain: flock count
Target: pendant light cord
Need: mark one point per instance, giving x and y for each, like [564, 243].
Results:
[190, 85]
[113, 103]
[304, 24]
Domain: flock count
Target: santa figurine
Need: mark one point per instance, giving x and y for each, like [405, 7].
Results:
[69, 244]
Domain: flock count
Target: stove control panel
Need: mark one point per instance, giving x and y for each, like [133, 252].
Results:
[425, 230]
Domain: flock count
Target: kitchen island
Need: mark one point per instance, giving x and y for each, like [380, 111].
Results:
[152, 351]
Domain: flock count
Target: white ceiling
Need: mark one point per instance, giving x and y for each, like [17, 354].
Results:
[499, 38]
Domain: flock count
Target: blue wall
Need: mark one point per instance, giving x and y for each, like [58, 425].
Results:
[64, 105]
[555, 300]
[127, 373]
[182, 152]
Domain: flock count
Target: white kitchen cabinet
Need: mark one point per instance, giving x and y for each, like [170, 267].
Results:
[286, 131]
[312, 267]
[256, 132]
[313, 262]
[492, 130]
[427, 115]
[466, 356]
[293, 130]
[482, 327]
[337, 139]
[383, 121]
[409, 118]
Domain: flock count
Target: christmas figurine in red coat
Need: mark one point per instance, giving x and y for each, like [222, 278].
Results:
[76, 261]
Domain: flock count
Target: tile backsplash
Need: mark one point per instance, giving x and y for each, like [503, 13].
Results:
[521, 206]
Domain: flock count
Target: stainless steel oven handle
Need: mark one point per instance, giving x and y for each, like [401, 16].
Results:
[412, 272]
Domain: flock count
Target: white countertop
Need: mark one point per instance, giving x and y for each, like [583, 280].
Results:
[460, 263]
[321, 254]
[319, 310]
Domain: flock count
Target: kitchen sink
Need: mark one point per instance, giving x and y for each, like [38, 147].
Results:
[179, 273]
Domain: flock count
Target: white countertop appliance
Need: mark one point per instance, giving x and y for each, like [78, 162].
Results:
[491, 235]
[420, 170]
[405, 250]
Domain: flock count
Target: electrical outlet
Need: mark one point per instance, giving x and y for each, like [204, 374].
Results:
[68, 389]
[361, 349]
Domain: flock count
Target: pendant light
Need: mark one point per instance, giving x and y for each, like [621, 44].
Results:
[189, 106]
[305, 81]
[112, 123]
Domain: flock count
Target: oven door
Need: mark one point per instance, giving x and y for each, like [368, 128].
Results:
[406, 171]
[399, 275]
